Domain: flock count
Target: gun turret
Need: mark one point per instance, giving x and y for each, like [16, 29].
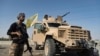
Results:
[60, 18]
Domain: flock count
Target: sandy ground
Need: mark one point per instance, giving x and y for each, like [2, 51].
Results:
[4, 48]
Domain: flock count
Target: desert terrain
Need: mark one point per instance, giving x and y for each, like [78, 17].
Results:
[4, 48]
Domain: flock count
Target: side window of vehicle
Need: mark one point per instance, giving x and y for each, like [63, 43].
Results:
[37, 26]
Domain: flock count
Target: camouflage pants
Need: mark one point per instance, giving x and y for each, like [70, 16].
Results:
[16, 49]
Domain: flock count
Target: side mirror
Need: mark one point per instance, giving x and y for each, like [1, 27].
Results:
[43, 28]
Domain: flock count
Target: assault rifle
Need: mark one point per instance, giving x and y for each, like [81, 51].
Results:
[24, 39]
[28, 48]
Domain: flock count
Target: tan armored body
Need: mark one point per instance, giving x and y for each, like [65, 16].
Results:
[56, 36]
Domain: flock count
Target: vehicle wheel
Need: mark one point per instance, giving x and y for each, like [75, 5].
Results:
[49, 47]
[89, 52]
[94, 52]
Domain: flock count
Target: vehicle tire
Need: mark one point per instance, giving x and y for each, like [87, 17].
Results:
[89, 52]
[49, 47]
[94, 52]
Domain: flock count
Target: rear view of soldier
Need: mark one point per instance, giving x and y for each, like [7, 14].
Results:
[19, 36]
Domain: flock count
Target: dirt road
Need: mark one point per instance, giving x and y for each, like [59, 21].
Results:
[4, 48]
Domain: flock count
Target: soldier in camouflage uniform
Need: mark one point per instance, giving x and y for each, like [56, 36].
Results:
[15, 31]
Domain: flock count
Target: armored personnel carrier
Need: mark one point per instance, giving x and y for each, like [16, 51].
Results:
[53, 35]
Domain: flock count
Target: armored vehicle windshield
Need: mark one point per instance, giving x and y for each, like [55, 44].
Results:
[54, 24]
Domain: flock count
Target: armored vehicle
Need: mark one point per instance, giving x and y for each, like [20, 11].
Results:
[53, 35]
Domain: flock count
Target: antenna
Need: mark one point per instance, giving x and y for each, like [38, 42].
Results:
[65, 14]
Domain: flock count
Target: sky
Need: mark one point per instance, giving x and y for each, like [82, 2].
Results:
[85, 13]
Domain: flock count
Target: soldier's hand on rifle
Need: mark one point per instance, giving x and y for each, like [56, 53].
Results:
[18, 33]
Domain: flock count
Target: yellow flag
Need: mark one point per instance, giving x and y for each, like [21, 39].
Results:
[35, 19]
[30, 21]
